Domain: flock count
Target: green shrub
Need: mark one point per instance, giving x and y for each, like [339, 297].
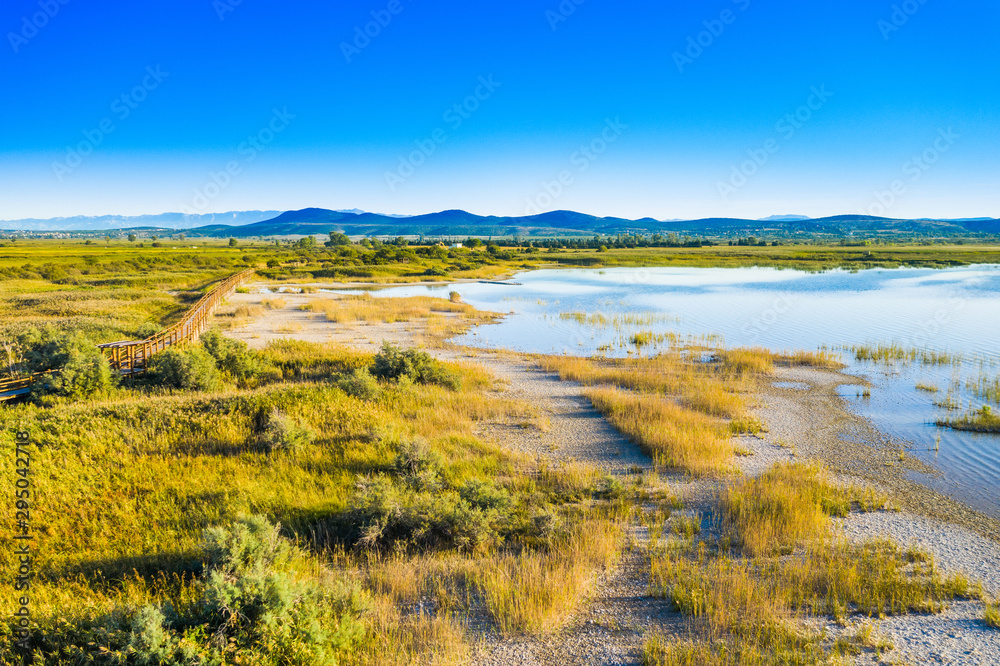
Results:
[484, 495]
[283, 433]
[394, 364]
[260, 607]
[360, 384]
[190, 368]
[81, 367]
[418, 465]
[151, 642]
[233, 357]
[386, 514]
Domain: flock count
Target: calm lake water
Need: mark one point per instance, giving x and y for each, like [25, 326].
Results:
[955, 310]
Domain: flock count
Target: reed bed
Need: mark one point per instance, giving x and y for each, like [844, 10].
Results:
[983, 420]
[890, 353]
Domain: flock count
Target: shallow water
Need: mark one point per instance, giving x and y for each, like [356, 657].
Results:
[954, 310]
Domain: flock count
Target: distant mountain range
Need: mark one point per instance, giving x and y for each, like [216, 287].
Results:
[161, 221]
[355, 222]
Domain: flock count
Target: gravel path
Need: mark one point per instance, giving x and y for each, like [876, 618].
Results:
[576, 431]
[607, 631]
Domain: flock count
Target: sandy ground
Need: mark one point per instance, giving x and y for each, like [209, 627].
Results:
[805, 419]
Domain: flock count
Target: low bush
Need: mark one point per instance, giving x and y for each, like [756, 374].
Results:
[393, 364]
[146, 330]
[245, 366]
[386, 513]
[190, 368]
[360, 384]
[280, 432]
[253, 605]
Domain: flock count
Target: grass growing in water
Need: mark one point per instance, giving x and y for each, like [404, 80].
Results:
[890, 353]
[985, 387]
[981, 420]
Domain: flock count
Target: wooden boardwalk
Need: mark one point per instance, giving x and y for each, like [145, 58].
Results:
[132, 356]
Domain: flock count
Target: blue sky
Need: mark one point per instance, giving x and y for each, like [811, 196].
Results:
[632, 108]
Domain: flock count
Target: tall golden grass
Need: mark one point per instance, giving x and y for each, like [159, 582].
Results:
[368, 308]
[673, 435]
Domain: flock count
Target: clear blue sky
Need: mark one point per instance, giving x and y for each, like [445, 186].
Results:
[669, 127]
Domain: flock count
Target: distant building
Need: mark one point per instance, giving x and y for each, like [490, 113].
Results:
[455, 245]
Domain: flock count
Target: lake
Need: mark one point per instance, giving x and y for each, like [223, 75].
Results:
[952, 310]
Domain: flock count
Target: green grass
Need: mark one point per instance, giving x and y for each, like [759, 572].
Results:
[985, 387]
[981, 420]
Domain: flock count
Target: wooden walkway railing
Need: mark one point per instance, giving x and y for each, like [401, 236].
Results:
[132, 356]
[12, 388]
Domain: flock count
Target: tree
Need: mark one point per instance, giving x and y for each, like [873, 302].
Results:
[307, 242]
[337, 239]
[233, 242]
[131, 238]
